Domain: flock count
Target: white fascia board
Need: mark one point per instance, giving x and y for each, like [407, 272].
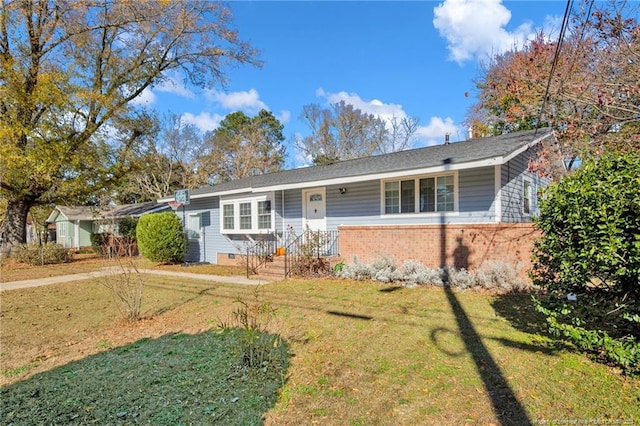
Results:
[52, 217]
[526, 147]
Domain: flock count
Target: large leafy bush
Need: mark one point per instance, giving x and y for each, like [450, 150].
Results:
[160, 237]
[590, 252]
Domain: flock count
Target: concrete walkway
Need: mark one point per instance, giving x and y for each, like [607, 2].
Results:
[13, 285]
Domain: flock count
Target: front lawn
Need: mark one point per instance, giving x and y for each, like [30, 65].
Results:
[361, 353]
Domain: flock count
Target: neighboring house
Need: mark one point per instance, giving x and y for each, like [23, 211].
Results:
[458, 204]
[74, 225]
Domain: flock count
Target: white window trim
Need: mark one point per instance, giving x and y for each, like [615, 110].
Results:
[530, 181]
[416, 178]
[254, 214]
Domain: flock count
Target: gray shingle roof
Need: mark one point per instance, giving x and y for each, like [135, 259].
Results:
[113, 212]
[454, 153]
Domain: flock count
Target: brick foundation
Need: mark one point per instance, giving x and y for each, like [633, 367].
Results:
[238, 260]
[462, 246]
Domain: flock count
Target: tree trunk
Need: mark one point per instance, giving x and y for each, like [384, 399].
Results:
[14, 227]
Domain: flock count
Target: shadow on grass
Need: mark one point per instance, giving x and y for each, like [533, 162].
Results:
[391, 289]
[520, 311]
[174, 379]
[350, 315]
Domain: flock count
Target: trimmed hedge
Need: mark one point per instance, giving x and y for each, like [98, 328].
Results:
[160, 237]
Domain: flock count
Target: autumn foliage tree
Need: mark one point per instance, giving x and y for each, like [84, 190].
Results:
[69, 72]
[591, 86]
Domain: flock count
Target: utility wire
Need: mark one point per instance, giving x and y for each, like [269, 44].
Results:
[563, 28]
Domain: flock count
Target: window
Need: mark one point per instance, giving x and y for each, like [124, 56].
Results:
[391, 197]
[420, 195]
[527, 196]
[228, 216]
[245, 215]
[193, 226]
[264, 214]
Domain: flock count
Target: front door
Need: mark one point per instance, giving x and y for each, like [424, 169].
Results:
[315, 209]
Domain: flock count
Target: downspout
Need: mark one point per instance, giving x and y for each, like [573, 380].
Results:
[498, 193]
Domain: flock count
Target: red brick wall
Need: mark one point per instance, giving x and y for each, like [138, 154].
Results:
[462, 246]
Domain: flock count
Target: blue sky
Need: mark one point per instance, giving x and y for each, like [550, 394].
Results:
[416, 58]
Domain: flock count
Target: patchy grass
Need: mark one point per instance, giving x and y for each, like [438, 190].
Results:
[11, 270]
[361, 354]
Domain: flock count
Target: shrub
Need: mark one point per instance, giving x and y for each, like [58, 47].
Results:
[42, 254]
[160, 237]
[100, 242]
[127, 227]
[590, 248]
[494, 276]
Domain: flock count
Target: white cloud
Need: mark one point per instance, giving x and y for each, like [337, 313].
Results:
[248, 101]
[172, 84]
[146, 98]
[284, 117]
[477, 28]
[376, 107]
[434, 132]
[203, 121]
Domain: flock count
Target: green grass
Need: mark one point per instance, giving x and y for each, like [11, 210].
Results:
[174, 379]
[359, 355]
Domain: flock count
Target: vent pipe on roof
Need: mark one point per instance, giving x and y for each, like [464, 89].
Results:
[446, 138]
[470, 134]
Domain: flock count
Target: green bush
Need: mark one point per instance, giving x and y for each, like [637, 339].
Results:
[127, 227]
[100, 242]
[590, 250]
[42, 254]
[160, 237]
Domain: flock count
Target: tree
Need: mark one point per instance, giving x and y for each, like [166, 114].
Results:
[399, 134]
[340, 132]
[593, 99]
[69, 72]
[244, 146]
[590, 248]
[167, 162]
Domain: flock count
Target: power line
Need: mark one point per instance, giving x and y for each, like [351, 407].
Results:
[563, 28]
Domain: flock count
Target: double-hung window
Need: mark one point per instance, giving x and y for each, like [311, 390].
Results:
[430, 194]
[247, 215]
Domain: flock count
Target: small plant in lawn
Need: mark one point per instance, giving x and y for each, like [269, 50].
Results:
[124, 281]
[251, 322]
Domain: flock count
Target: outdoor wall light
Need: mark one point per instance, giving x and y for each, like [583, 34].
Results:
[342, 190]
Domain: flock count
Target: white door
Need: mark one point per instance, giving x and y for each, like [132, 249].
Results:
[315, 209]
